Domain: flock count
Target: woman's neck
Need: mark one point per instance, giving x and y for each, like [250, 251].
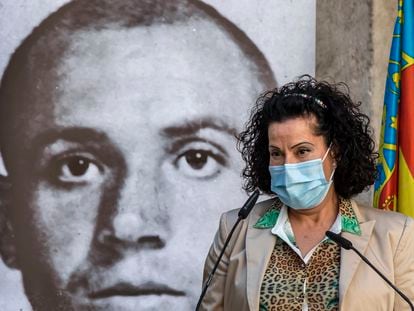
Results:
[321, 216]
[309, 226]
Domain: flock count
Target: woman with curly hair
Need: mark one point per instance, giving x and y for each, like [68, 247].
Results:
[309, 147]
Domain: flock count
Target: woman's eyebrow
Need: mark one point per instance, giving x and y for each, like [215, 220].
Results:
[193, 126]
[274, 147]
[294, 146]
[301, 143]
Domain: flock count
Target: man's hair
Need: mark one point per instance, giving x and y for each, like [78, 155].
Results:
[42, 50]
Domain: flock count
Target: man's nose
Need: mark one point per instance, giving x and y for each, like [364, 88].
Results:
[136, 231]
[136, 220]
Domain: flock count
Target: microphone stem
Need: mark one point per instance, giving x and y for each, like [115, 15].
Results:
[384, 278]
[210, 276]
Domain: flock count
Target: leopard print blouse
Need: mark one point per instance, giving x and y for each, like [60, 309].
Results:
[287, 274]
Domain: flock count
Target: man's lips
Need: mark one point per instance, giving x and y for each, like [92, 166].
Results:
[126, 289]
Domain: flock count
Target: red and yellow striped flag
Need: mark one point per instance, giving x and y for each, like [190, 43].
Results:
[394, 188]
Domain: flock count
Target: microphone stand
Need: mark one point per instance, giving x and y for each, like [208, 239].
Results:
[244, 211]
[403, 296]
[345, 243]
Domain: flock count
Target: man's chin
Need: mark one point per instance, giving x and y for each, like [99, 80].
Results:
[65, 302]
[51, 301]
[141, 302]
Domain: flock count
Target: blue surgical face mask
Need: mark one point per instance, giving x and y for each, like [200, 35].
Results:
[300, 185]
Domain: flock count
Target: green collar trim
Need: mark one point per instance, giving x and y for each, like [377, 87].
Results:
[269, 219]
[350, 225]
[349, 221]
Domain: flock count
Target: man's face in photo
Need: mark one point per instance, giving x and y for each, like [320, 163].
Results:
[130, 159]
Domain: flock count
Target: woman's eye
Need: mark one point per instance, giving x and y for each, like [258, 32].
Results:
[76, 169]
[200, 163]
[303, 152]
[275, 154]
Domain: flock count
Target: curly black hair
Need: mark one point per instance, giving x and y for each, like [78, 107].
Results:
[339, 121]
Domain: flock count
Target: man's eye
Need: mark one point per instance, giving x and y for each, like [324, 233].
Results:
[76, 169]
[199, 163]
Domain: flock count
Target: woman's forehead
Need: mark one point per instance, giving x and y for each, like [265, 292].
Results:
[294, 130]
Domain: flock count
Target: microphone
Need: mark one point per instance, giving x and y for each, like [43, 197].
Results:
[247, 207]
[243, 213]
[338, 239]
[347, 244]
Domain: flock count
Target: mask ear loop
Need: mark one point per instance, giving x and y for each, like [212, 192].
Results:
[334, 164]
[333, 172]
[326, 153]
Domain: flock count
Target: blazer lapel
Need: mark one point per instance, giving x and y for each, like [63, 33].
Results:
[259, 247]
[350, 260]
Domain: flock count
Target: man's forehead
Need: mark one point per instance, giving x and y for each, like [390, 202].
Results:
[95, 42]
[180, 47]
[111, 77]
[157, 65]
[188, 53]
[191, 34]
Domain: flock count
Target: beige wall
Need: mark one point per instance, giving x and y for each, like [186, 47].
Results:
[353, 39]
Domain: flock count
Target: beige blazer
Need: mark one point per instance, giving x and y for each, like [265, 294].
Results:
[387, 240]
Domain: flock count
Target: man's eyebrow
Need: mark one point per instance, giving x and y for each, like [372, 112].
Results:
[72, 134]
[190, 127]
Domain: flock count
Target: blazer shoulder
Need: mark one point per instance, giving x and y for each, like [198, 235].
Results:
[387, 221]
[372, 213]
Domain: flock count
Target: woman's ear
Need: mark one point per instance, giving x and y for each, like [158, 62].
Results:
[334, 152]
[8, 250]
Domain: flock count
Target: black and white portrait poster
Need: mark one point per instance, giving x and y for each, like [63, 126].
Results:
[117, 137]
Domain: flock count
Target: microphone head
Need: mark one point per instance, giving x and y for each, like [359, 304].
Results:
[247, 207]
[341, 241]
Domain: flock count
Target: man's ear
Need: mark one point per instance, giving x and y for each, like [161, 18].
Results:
[7, 241]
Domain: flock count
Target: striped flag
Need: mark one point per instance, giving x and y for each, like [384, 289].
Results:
[394, 187]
